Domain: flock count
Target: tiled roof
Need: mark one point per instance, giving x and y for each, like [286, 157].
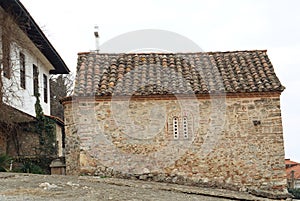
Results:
[175, 73]
[289, 162]
[296, 170]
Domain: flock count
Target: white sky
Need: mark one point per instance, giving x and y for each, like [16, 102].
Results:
[215, 25]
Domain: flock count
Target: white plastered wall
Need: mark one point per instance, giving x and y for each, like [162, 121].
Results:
[14, 94]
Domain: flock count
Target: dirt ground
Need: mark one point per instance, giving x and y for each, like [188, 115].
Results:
[19, 187]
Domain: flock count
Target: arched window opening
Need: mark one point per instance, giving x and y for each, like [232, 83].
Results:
[185, 128]
[175, 128]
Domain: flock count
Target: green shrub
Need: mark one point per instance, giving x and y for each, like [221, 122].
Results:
[295, 192]
[4, 162]
[29, 167]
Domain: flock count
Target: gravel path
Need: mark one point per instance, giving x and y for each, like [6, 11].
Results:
[19, 187]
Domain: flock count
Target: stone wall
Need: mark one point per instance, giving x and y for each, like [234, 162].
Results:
[231, 142]
[59, 140]
[23, 143]
[18, 141]
[2, 142]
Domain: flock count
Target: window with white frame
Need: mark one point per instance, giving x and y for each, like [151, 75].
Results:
[180, 127]
[185, 127]
[175, 128]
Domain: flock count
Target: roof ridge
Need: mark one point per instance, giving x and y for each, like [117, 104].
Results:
[293, 166]
[169, 53]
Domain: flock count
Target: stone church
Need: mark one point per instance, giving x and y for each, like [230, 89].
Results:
[206, 118]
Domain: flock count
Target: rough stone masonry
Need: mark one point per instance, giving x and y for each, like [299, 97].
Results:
[209, 119]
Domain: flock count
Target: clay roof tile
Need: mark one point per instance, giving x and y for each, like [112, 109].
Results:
[169, 73]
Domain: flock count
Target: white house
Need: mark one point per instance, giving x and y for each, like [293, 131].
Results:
[31, 56]
[27, 61]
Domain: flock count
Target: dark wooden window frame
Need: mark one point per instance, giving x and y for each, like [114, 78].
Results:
[35, 76]
[6, 56]
[45, 88]
[22, 71]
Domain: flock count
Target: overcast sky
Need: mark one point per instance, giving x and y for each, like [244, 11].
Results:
[214, 25]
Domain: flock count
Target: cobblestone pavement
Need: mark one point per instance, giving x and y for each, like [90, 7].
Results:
[19, 187]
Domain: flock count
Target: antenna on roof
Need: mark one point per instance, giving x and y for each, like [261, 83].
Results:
[96, 34]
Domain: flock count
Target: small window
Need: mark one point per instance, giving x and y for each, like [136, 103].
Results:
[45, 79]
[185, 128]
[6, 56]
[35, 80]
[175, 128]
[22, 71]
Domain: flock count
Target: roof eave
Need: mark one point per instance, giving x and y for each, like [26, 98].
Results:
[174, 96]
[35, 34]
